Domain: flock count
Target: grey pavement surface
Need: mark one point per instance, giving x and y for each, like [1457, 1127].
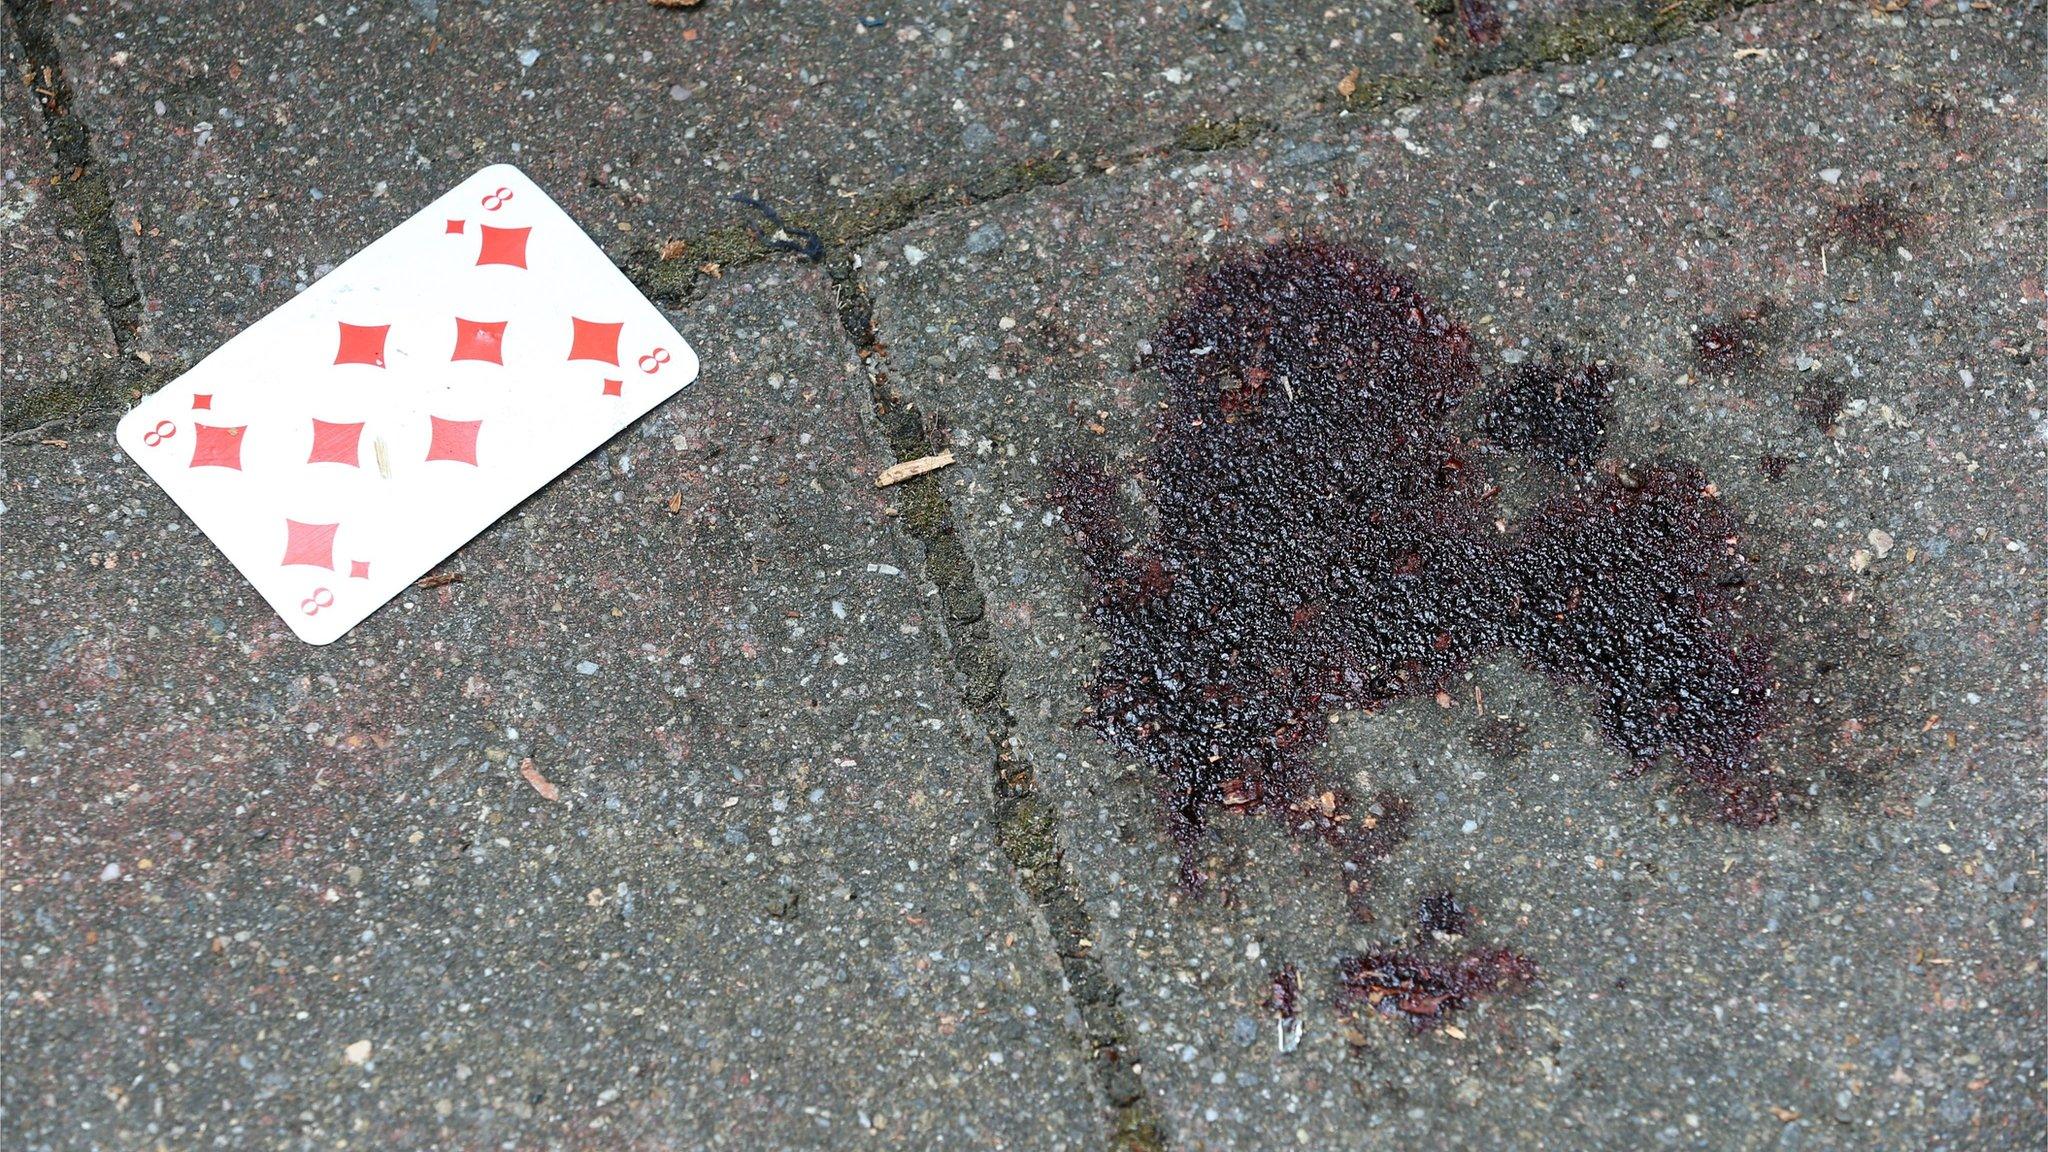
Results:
[54, 337]
[1867, 973]
[764, 911]
[255, 894]
[220, 138]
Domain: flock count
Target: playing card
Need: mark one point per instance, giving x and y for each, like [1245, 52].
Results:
[346, 443]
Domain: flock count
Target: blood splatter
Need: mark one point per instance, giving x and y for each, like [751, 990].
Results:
[1872, 222]
[1821, 400]
[1627, 588]
[1408, 986]
[1553, 409]
[1321, 540]
[1480, 20]
[1723, 344]
[1440, 912]
[1421, 987]
[1283, 992]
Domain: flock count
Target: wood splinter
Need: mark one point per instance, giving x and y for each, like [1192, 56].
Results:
[898, 473]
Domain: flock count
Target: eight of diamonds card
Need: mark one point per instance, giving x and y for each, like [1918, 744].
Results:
[349, 441]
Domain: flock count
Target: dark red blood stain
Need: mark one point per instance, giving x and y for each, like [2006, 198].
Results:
[1820, 401]
[1734, 341]
[1283, 993]
[1322, 542]
[1480, 20]
[1440, 912]
[1628, 589]
[1552, 409]
[1873, 222]
[1424, 992]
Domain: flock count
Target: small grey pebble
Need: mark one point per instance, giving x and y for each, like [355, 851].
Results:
[1305, 154]
[986, 238]
[1245, 1031]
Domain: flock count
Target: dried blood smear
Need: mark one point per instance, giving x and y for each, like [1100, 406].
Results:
[1322, 541]
[1425, 992]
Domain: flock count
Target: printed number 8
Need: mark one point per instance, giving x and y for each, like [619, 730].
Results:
[163, 431]
[321, 598]
[652, 362]
[493, 201]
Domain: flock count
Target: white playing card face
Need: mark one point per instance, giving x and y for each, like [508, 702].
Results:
[340, 447]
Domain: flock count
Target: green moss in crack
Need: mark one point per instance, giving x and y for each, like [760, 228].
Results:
[1209, 135]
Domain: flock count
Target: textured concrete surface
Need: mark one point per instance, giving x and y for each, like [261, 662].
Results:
[54, 334]
[1867, 972]
[764, 911]
[224, 140]
[254, 894]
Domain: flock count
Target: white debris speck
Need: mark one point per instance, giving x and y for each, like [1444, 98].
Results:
[587, 668]
[914, 254]
[1831, 174]
[358, 1052]
[527, 56]
[1175, 76]
[1469, 827]
[111, 872]
[1661, 141]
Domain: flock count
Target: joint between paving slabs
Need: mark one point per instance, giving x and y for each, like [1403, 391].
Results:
[673, 273]
[1027, 828]
[81, 185]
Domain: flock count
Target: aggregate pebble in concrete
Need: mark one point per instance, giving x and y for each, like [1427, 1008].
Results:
[55, 334]
[1865, 973]
[259, 894]
[231, 132]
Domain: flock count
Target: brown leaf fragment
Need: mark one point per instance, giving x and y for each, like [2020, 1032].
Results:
[539, 782]
[438, 580]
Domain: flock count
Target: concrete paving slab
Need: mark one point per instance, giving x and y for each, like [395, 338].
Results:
[248, 148]
[54, 343]
[259, 894]
[1854, 200]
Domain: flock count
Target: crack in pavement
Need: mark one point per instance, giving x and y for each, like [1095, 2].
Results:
[1026, 823]
[670, 273]
[83, 187]
[1027, 828]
